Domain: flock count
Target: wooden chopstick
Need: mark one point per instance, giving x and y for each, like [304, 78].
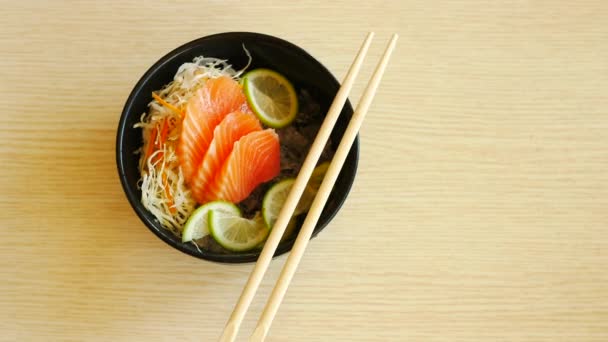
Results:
[318, 203]
[234, 322]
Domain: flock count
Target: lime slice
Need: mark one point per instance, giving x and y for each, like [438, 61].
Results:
[197, 225]
[275, 197]
[271, 97]
[291, 227]
[236, 233]
[273, 202]
[317, 176]
[314, 183]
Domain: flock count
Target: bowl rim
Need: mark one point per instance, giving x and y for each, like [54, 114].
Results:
[131, 193]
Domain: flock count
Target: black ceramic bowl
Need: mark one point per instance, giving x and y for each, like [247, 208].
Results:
[298, 66]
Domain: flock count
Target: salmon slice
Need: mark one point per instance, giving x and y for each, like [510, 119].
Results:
[255, 159]
[230, 130]
[205, 110]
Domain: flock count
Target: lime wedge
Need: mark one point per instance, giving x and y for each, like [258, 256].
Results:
[236, 233]
[271, 97]
[197, 225]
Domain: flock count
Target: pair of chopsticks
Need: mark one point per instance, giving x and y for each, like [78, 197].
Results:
[263, 326]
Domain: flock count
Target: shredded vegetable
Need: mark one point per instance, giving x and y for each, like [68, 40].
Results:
[163, 189]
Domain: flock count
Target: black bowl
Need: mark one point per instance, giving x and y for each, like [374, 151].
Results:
[267, 51]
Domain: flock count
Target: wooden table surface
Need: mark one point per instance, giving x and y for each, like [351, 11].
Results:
[479, 211]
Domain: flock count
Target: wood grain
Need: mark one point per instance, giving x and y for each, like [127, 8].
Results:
[478, 212]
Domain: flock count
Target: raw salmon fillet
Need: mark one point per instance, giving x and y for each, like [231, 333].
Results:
[255, 159]
[205, 110]
[234, 126]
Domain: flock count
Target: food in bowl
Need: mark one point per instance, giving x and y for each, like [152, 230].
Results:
[220, 148]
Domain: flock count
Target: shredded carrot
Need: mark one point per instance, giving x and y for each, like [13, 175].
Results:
[162, 138]
[168, 105]
[151, 143]
[164, 131]
[158, 157]
[168, 194]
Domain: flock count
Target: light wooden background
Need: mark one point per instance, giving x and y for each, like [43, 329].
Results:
[479, 212]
